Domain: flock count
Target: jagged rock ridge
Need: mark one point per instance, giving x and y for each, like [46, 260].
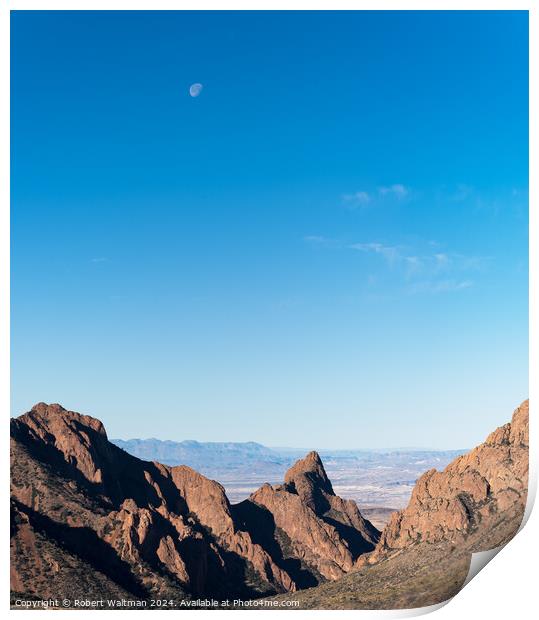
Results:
[471, 494]
[422, 558]
[88, 517]
[325, 532]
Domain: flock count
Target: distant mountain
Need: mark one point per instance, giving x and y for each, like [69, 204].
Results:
[229, 454]
[198, 454]
[374, 478]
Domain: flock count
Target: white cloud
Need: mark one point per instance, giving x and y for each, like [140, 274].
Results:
[429, 272]
[321, 241]
[413, 260]
[441, 260]
[389, 252]
[315, 239]
[360, 198]
[440, 286]
[397, 189]
[414, 264]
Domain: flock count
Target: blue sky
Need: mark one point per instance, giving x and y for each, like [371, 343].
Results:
[326, 248]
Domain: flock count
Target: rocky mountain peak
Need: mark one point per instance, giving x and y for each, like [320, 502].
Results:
[327, 532]
[308, 478]
[520, 428]
[475, 492]
[79, 440]
[56, 418]
[152, 522]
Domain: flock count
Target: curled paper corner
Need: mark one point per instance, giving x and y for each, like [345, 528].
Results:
[478, 562]
[422, 611]
[481, 558]
[412, 612]
[530, 500]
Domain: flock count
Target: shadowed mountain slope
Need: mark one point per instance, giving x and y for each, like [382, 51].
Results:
[154, 530]
[309, 522]
[88, 517]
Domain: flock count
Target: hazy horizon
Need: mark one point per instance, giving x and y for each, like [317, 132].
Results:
[297, 448]
[303, 448]
[306, 227]
[283, 447]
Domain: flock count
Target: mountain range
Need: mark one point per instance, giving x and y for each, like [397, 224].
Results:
[199, 454]
[89, 520]
[381, 480]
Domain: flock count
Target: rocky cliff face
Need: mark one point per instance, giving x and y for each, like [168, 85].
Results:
[90, 520]
[147, 529]
[472, 494]
[422, 558]
[309, 523]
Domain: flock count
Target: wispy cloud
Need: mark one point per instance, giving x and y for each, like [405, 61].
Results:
[440, 272]
[314, 239]
[99, 259]
[397, 189]
[414, 264]
[363, 197]
[389, 252]
[441, 259]
[429, 271]
[320, 240]
[462, 194]
[440, 286]
[357, 199]
[440, 263]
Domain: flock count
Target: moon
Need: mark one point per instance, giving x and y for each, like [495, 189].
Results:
[195, 89]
